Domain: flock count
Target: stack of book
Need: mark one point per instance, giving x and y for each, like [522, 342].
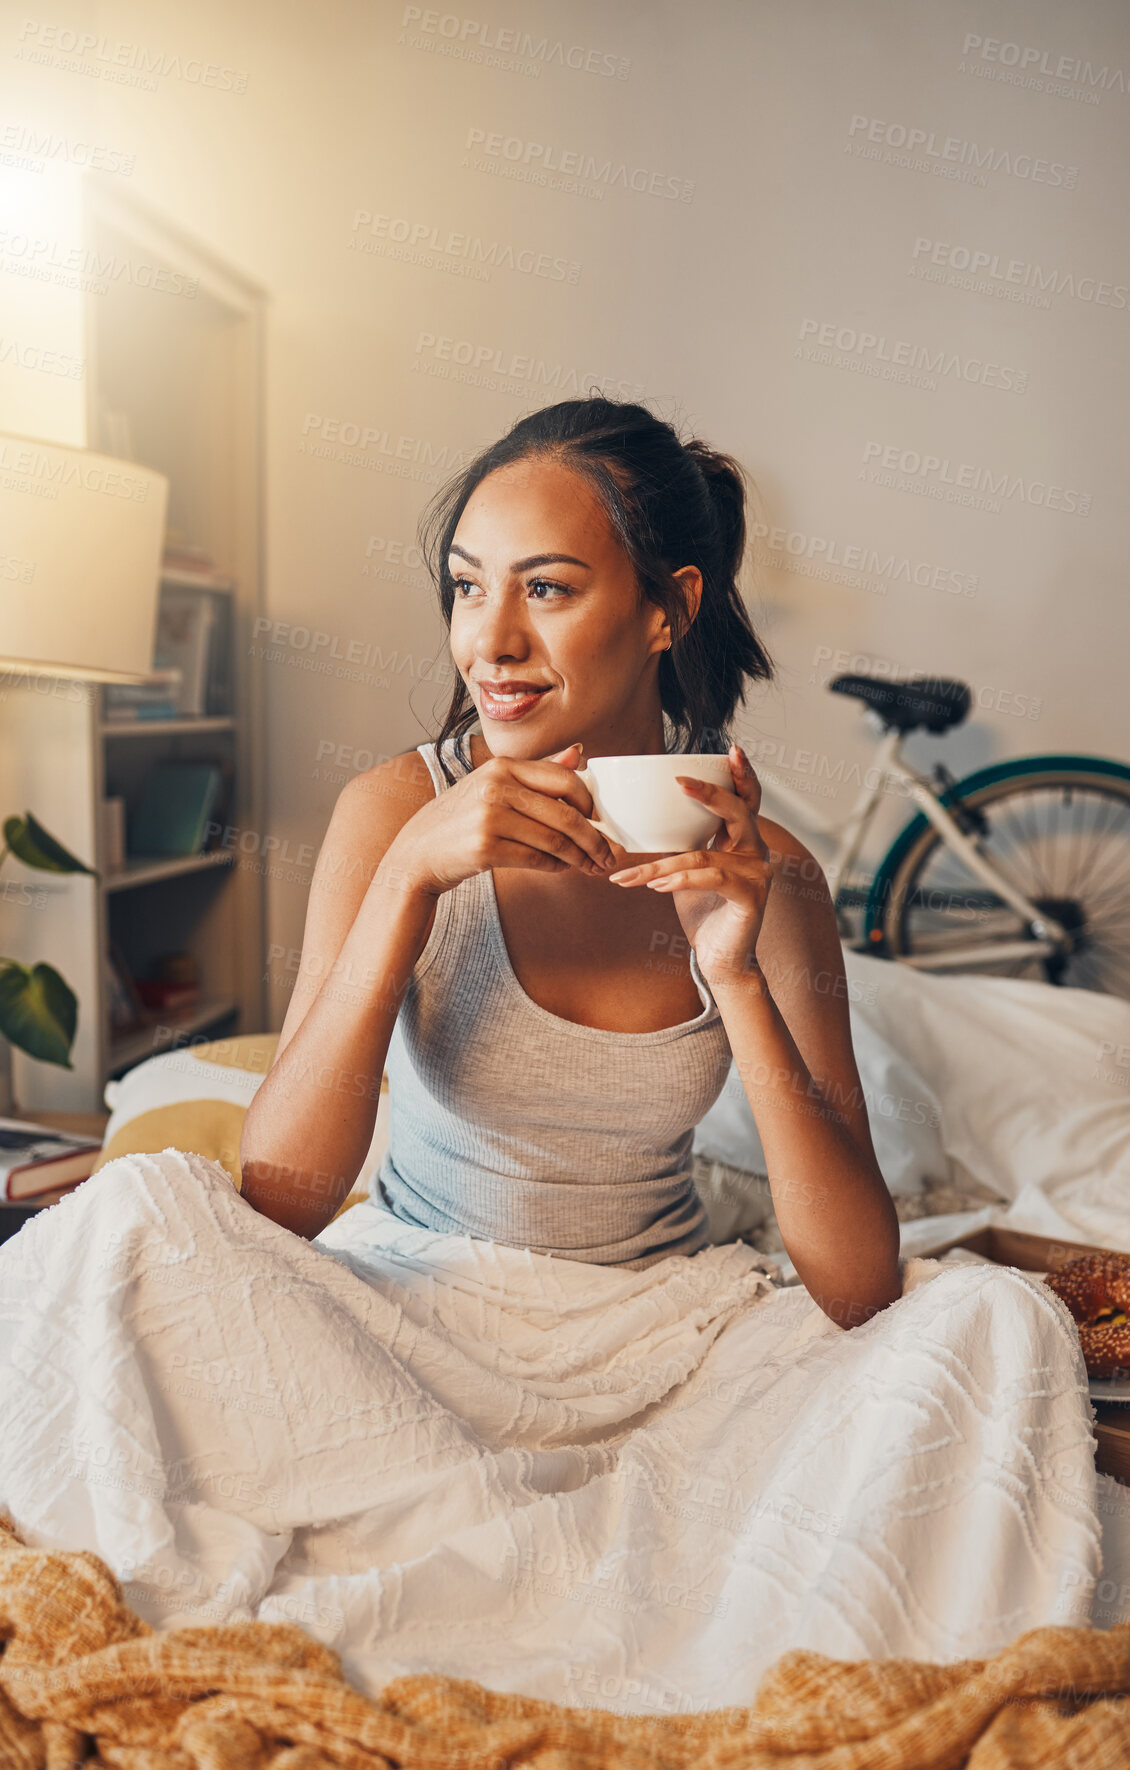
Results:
[157, 698]
[192, 662]
[38, 1166]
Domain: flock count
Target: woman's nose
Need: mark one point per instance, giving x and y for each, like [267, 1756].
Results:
[501, 632]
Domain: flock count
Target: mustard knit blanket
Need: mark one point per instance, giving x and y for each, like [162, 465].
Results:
[83, 1680]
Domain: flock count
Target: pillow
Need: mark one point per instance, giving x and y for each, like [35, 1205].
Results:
[1034, 1079]
[984, 1087]
[196, 1099]
[903, 1108]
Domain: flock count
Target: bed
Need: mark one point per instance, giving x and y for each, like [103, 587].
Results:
[630, 1490]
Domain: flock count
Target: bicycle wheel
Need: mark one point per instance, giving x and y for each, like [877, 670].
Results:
[1060, 834]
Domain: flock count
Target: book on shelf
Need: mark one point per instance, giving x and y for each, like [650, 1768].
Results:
[191, 676]
[219, 817]
[128, 1012]
[162, 709]
[194, 637]
[36, 1162]
[158, 698]
[175, 809]
[184, 637]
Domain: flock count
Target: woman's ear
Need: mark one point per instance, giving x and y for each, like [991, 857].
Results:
[690, 580]
[690, 585]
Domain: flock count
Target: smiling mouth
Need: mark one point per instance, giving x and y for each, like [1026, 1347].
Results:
[509, 703]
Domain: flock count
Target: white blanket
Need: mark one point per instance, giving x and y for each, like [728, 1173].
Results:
[630, 1490]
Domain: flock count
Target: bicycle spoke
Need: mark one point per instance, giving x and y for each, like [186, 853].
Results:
[1063, 842]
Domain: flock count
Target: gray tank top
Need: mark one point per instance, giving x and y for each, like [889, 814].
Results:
[510, 1124]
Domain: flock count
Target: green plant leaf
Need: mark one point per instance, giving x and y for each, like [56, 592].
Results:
[36, 847]
[38, 1012]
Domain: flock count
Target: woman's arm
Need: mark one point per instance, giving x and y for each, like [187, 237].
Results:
[787, 1019]
[755, 906]
[392, 849]
[311, 1122]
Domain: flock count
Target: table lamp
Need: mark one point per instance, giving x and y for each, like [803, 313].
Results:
[81, 540]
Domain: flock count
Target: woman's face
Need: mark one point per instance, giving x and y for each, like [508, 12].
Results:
[546, 601]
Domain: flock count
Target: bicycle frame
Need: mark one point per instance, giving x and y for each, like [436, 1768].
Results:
[1048, 933]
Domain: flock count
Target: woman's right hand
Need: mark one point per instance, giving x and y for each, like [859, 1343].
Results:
[505, 813]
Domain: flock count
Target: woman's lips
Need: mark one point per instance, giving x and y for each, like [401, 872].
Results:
[509, 709]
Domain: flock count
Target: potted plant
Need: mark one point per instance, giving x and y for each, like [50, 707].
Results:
[38, 1008]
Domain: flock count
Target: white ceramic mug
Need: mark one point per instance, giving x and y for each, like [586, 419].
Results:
[638, 802]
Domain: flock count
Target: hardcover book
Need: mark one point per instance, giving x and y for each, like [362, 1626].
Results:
[34, 1160]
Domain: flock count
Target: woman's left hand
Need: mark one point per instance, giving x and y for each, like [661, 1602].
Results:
[720, 892]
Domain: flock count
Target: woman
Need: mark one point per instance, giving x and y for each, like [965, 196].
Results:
[513, 1418]
[590, 559]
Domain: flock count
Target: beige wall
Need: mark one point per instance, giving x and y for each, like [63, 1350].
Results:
[789, 280]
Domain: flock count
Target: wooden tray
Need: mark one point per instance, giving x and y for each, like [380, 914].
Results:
[1040, 1253]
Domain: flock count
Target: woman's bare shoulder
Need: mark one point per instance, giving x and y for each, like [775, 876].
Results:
[800, 920]
[396, 782]
[374, 806]
[788, 855]
[369, 812]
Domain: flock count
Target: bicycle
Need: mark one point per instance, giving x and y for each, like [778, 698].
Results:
[1021, 868]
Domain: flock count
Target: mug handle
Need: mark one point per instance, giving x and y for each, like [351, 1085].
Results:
[596, 822]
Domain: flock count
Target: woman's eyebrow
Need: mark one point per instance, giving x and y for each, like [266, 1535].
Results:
[525, 565]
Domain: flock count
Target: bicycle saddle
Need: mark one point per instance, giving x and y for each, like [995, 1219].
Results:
[932, 701]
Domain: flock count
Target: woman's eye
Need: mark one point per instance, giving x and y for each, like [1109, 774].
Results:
[535, 584]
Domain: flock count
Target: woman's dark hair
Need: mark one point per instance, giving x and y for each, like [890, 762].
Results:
[671, 504]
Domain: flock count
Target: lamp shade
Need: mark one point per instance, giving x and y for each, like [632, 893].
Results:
[81, 540]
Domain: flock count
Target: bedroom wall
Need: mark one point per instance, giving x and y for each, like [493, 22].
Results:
[871, 248]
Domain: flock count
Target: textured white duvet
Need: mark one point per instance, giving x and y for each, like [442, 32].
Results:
[631, 1490]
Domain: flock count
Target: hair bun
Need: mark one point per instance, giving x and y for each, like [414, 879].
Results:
[725, 483]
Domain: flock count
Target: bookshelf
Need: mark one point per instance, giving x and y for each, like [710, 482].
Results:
[149, 872]
[173, 381]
